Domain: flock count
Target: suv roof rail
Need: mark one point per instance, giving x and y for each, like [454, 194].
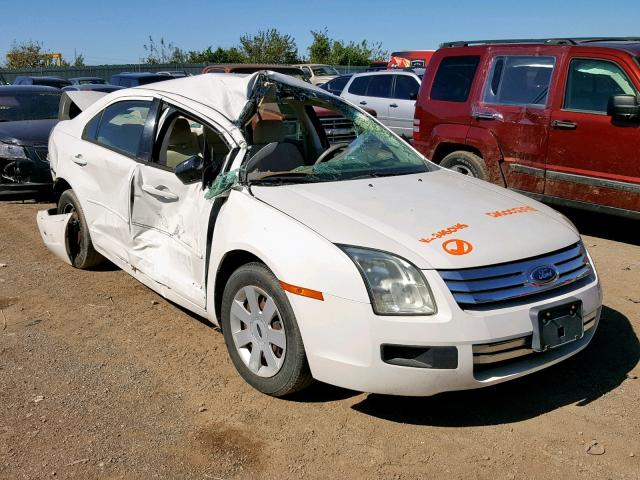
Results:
[544, 41]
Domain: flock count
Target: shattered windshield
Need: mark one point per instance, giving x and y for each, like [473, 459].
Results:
[310, 137]
[323, 71]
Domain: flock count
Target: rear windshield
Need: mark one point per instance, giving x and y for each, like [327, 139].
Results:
[29, 106]
[454, 78]
[152, 79]
[51, 82]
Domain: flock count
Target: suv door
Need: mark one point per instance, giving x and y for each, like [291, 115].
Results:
[514, 108]
[402, 105]
[594, 157]
[371, 91]
[169, 212]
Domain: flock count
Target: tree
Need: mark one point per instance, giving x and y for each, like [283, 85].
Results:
[219, 55]
[269, 46]
[163, 52]
[79, 61]
[320, 48]
[25, 55]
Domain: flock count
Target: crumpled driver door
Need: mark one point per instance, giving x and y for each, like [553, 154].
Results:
[168, 231]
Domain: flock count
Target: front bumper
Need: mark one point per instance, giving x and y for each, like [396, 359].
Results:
[26, 177]
[343, 341]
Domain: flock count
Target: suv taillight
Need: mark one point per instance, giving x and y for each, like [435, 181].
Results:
[416, 125]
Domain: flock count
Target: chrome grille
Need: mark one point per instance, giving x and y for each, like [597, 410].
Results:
[338, 129]
[38, 153]
[509, 281]
[497, 352]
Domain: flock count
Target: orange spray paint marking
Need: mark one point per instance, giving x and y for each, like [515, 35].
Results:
[455, 246]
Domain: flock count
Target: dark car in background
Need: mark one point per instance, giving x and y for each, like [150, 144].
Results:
[27, 116]
[94, 87]
[46, 81]
[135, 79]
[87, 81]
[336, 85]
[291, 70]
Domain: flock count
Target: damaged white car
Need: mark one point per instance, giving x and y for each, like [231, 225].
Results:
[359, 264]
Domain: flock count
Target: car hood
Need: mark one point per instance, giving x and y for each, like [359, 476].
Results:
[26, 132]
[393, 214]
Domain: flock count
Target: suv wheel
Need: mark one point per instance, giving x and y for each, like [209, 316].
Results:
[261, 332]
[466, 163]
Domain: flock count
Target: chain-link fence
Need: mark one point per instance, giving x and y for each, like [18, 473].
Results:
[106, 71]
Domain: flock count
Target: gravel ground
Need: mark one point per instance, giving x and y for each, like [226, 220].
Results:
[102, 378]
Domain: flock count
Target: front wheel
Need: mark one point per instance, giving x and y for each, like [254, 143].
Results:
[261, 332]
[466, 163]
[79, 245]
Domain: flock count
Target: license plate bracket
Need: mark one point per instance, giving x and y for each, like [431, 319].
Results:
[558, 326]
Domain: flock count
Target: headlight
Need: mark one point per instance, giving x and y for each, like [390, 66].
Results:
[12, 152]
[395, 286]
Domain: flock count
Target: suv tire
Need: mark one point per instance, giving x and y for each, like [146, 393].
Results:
[267, 351]
[466, 163]
[79, 245]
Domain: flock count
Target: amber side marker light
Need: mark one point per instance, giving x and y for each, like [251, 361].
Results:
[305, 292]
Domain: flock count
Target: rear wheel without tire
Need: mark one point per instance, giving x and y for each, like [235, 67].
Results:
[79, 246]
[261, 332]
[466, 163]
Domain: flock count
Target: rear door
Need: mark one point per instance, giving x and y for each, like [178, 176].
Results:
[169, 213]
[359, 92]
[402, 105]
[593, 157]
[514, 108]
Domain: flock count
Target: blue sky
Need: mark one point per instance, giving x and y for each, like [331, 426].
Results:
[114, 31]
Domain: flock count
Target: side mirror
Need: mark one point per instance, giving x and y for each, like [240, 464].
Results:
[624, 107]
[190, 170]
[413, 95]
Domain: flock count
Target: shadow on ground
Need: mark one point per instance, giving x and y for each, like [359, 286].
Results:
[604, 226]
[600, 368]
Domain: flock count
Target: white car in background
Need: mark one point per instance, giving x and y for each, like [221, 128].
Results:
[359, 264]
[318, 73]
[391, 94]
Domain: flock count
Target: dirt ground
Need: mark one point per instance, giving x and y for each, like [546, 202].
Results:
[102, 378]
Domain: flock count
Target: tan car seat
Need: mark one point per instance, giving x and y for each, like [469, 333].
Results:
[182, 143]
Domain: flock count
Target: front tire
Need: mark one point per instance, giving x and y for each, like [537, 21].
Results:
[79, 245]
[261, 332]
[466, 163]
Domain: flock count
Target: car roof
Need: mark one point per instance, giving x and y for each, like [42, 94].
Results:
[43, 77]
[630, 45]
[13, 89]
[85, 78]
[395, 71]
[139, 74]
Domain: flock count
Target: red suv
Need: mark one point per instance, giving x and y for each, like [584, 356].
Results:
[556, 119]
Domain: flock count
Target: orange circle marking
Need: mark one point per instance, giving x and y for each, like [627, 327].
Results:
[455, 246]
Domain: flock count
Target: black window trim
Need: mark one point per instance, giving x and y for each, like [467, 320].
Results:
[566, 84]
[151, 100]
[489, 79]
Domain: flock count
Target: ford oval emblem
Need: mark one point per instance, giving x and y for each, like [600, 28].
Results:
[543, 275]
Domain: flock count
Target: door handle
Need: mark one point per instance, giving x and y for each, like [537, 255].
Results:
[482, 115]
[157, 192]
[564, 125]
[394, 105]
[363, 103]
[77, 159]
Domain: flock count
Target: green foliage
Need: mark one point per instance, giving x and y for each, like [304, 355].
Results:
[219, 55]
[269, 46]
[323, 49]
[163, 52]
[24, 55]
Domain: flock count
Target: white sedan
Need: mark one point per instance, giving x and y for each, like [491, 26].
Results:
[359, 264]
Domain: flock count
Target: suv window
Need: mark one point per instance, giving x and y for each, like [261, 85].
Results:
[122, 125]
[359, 85]
[380, 86]
[406, 88]
[519, 80]
[337, 84]
[592, 83]
[453, 78]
